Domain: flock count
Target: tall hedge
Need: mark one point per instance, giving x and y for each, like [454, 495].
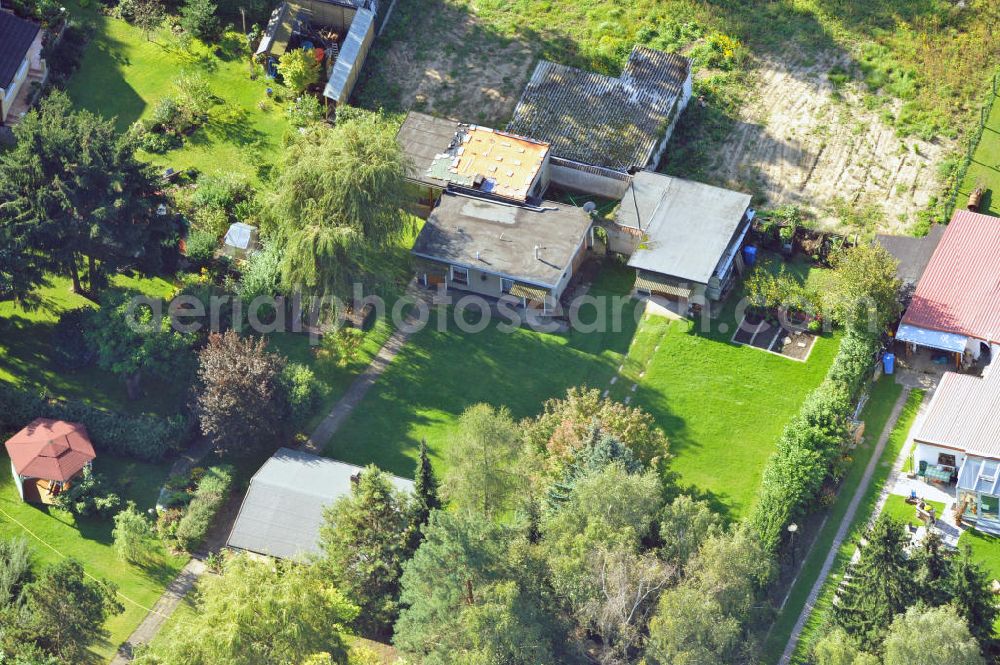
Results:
[811, 442]
[146, 438]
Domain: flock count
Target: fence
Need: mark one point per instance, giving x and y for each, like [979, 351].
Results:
[963, 169]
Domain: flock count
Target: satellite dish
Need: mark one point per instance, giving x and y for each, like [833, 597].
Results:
[589, 206]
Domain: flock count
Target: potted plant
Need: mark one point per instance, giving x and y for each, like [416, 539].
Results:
[787, 234]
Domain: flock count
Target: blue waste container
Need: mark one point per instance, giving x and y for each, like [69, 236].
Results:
[889, 362]
[749, 255]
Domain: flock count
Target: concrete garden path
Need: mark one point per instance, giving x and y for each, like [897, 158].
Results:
[845, 525]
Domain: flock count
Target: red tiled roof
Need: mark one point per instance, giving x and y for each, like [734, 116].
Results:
[959, 291]
[50, 449]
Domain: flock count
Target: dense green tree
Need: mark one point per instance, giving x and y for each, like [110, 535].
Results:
[936, 636]
[971, 595]
[685, 525]
[608, 510]
[837, 648]
[865, 296]
[259, 612]
[199, 19]
[484, 451]
[878, 586]
[66, 612]
[15, 569]
[241, 402]
[733, 567]
[475, 593]
[148, 16]
[364, 541]
[338, 201]
[566, 425]
[131, 343]
[932, 570]
[73, 192]
[595, 454]
[692, 628]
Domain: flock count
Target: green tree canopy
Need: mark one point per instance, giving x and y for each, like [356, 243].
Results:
[865, 297]
[259, 612]
[484, 451]
[337, 202]
[71, 189]
[937, 636]
[364, 541]
[299, 68]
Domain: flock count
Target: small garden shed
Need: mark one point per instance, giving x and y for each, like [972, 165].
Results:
[241, 240]
[46, 456]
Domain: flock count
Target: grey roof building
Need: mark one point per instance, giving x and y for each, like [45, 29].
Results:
[495, 248]
[686, 234]
[16, 37]
[912, 253]
[282, 512]
[618, 123]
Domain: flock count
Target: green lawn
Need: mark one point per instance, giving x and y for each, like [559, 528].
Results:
[26, 352]
[985, 550]
[817, 621]
[723, 406]
[984, 171]
[882, 397]
[54, 533]
[122, 75]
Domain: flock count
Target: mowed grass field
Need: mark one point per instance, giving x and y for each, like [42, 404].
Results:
[722, 405]
[52, 534]
[984, 170]
[123, 75]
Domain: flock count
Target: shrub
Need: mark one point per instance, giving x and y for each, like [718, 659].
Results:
[299, 69]
[194, 95]
[133, 534]
[305, 110]
[302, 389]
[261, 274]
[157, 143]
[88, 495]
[208, 498]
[63, 58]
[201, 245]
[165, 113]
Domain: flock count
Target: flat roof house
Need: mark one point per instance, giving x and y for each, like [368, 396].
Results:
[445, 154]
[959, 440]
[495, 249]
[682, 237]
[603, 128]
[282, 512]
[21, 63]
[956, 305]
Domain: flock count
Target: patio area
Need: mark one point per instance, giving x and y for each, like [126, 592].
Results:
[26, 95]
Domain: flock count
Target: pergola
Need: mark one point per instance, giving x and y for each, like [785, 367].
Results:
[46, 455]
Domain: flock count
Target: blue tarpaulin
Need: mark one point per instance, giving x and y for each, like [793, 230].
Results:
[934, 339]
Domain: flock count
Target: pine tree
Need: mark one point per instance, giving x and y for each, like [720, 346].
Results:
[878, 587]
[933, 568]
[425, 495]
[972, 597]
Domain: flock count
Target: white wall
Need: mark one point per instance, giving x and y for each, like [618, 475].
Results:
[587, 181]
[929, 454]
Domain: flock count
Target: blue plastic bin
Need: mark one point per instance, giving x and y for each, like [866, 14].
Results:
[889, 362]
[750, 255]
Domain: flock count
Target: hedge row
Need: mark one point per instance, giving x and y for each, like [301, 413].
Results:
[146, 438]
[212, 490]
[811, 442]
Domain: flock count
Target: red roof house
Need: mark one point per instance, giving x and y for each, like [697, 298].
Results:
[956, 306]
[49, 453]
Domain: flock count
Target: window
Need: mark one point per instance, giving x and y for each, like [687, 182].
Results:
[460, 276]
[506, 285]
[944, 459]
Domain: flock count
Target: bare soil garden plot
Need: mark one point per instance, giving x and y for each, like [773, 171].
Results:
[777, 339]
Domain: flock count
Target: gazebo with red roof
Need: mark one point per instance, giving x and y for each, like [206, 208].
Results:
[46, 456]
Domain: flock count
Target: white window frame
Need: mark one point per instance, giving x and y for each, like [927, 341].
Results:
[464, 281]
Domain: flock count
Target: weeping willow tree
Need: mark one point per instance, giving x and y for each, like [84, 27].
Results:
[338, 203]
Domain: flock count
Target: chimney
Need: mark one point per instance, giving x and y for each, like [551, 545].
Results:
[538, 253]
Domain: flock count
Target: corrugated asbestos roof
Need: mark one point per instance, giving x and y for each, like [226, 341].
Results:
[594, 119]
[16, 37]
[959, 291]
[686, 226]
[283, 510]
[965, 414]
